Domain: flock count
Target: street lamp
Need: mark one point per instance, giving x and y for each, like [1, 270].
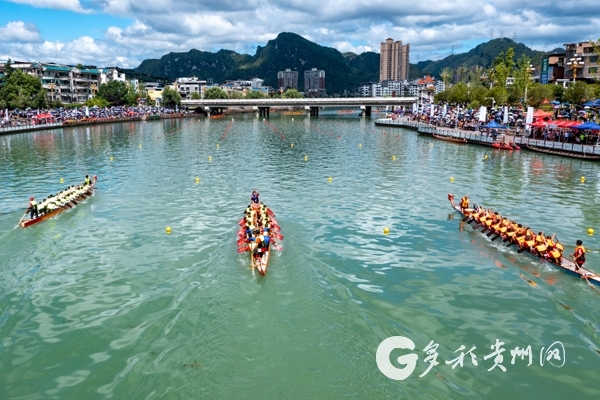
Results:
[575, 63]
[52, 86]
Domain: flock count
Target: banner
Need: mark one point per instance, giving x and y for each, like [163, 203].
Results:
[6, 115]
[529, 118]
[415, 109]
[87, 111]
[505, 118]
[445, 110]
[431, 110]
[482, 114]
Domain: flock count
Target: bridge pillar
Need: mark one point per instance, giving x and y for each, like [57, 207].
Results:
[263, 111]
[314, 111]
[367, 111]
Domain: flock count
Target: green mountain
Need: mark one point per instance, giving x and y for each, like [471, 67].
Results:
[482, 55]
[342, 71]
[288, 50]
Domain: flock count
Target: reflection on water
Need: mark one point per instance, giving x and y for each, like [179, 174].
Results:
[100, 302]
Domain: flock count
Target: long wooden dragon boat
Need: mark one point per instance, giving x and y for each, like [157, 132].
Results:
[24, 223]
[258, 233]
[450, 139]
[562, 263]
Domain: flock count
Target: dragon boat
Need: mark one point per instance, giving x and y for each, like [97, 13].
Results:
[24, 223]
[257, 235]
[561, 262]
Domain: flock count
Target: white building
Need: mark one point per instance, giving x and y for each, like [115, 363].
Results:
[187, 86]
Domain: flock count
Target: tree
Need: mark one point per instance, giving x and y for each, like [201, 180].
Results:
[255, 94]
[235, 95]
[170, 98]
[558, 92]
[538, 93]
[503, 67]
[446, 74]
[115, 92]
[196, 96]
[20, 90]
[521, 75]
[215, 93]
[292, 94]
[458, 93]
[96, 101]
[577, 93]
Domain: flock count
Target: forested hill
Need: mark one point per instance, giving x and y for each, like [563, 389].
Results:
[287, 51]
[342, 71]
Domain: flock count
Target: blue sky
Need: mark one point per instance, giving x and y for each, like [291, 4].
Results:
[125, 32]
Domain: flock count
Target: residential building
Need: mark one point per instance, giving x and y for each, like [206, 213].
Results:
[187, 86]
[553, 67]
[287, 79]
[426, 89]
[314, 83]
[584, 51]
[394, 61]
[111, 74]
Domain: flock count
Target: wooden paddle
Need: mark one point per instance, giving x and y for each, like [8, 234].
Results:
[522, 249]
[23, 217]
[581, 273]
[496, 237]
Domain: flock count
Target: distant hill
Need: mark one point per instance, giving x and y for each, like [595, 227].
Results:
[483, 55]
[289, 50]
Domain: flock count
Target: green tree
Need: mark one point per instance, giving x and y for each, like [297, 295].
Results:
[577, 93]
[458, 93]
[115, 92]
[558, 92]
[215, 93]
[292, 94]
[96, 101]
[503, 67]
[235, 95]
[255, 94]
[20, 90]
[196, 96]
[478, 94]
[522, 75]
[538, 93]
[170, 98]
[446, 74]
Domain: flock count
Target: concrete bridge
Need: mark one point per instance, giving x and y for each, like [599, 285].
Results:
[312, 104]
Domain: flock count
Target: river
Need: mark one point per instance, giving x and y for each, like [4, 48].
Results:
[100, 302]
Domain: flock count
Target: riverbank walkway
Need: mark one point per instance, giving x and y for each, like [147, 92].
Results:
[573, 150]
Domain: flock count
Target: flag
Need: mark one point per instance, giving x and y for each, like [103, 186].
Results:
[529, 118]
[445, 110]
[431, 110]
[505, 119]
[482, 113]
[87, 111]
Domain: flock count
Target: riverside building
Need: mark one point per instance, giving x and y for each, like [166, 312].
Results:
[393, 62]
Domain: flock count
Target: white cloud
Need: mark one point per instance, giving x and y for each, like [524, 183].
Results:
[19, 31]
[432, 29]
[71, 5]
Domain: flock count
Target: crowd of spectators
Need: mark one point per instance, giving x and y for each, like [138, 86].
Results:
[16, 118]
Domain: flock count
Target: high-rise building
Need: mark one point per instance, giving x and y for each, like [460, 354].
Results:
[394, 59]
[287, 79]
[314, 83]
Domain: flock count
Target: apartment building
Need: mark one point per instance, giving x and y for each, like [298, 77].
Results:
[394, 61]
[314, 83]
[581, 61]
[287, 79]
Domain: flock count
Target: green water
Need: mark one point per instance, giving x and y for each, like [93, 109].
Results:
[99, 302]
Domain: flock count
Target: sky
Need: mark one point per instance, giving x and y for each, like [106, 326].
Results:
[125, 32]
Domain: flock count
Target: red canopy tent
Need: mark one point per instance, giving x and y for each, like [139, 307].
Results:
[42, 119]
[540, 123]
[542, 114]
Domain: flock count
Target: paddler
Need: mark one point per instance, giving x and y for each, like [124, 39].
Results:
[464, 203]
[579, 255]
[88, 181]
[254, 197]
[32, 208]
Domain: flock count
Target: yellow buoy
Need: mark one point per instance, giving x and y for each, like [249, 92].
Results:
[217, 145]
[590, 231]
[431, 144]
[292, 145]
[209, 158]
[62, 180]
[386, 230]
[393, 158]
[451, 179]
[305, 158]
[582, 179]
[197, 180]
[140, 146]
[111, 159]
[168, 230]
[360, 145]
[330, 179]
